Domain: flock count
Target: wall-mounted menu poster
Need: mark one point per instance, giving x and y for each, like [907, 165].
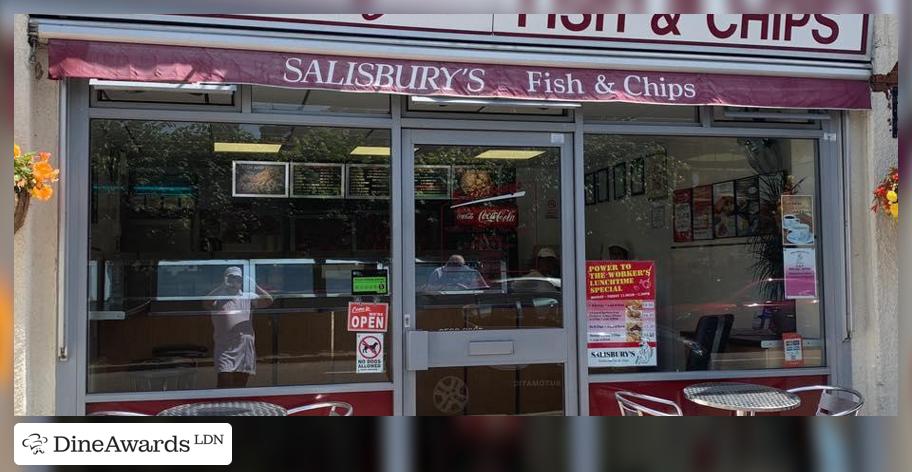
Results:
[724, 221]
[316, 180]
[368, 181]
[432, 182]
[259, 179]
[683, 216]
[702, 213]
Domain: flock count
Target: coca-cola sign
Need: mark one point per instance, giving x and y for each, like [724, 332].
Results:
[487, 216]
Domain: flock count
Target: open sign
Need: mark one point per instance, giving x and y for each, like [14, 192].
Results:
[368, 317]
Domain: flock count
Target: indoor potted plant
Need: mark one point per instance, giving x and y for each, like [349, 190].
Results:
[33, 175]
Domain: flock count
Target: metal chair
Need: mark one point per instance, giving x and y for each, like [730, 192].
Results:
[346, 408]
[627, 403]
[116, 413]
[834, 401]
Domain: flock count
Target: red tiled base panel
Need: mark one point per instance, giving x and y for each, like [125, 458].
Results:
[364, 403]
[602, 402]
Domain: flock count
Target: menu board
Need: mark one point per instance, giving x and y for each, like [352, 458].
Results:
[312, 180]
[432, 182]
[621, 313]
[368, 181]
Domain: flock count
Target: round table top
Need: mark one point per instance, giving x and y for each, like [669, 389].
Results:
[741, 397]
[226, 408]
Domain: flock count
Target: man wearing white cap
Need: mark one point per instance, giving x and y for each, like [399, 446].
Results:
[545, 276]
[234, 353]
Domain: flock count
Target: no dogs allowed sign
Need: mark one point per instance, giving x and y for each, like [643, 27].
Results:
[369, 353]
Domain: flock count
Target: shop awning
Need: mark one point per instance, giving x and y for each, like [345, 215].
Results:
[185, 64]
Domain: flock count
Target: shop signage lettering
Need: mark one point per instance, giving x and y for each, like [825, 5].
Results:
[368, 317]
[487, 217]
[737, 33]
[425, 78]
[160, 63]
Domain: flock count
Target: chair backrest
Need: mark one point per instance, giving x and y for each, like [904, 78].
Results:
[116, 413]
[834, 401]
[332, 408]
[631, 404]
[711, 336]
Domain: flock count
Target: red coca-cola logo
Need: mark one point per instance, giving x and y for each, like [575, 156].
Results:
[487, 216]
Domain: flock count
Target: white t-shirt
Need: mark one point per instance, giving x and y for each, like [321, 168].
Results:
[232, 333]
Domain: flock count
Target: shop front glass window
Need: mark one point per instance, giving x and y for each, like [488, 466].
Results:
[730, 230]
[225, 255]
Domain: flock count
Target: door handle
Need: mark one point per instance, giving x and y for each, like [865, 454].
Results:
[416, 350]
[490, 348]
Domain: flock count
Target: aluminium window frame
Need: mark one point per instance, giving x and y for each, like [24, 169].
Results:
[75, 115]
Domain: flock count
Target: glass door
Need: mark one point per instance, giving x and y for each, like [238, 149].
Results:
[489, 294]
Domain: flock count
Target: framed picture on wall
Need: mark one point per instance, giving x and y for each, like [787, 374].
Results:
[747, 204]
[724, 221]
[589, 188]
[259, 179]
[702, 212]
[682, 215]
[638, 176]
[657, 175]
[604, 179]
[619, 180]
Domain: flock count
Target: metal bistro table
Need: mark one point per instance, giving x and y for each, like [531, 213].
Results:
[226, 408]
[742, 398]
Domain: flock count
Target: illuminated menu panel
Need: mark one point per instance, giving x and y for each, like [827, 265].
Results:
[368, 181]
[432, 182]
[312, 180]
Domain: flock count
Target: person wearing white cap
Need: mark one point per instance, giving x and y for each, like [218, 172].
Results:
[546, 264]
[234, 353]
[545, 276]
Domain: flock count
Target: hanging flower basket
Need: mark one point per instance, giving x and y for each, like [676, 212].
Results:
[886, 195]
[33, 175]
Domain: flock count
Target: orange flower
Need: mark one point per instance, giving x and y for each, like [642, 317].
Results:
[17, 151]
[44, 171]
[44, 156]
[42, 192]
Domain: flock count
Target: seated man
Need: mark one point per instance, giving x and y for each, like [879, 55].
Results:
[455, 275]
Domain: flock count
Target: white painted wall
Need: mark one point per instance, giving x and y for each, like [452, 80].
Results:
[35, 245]
[875, 275]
